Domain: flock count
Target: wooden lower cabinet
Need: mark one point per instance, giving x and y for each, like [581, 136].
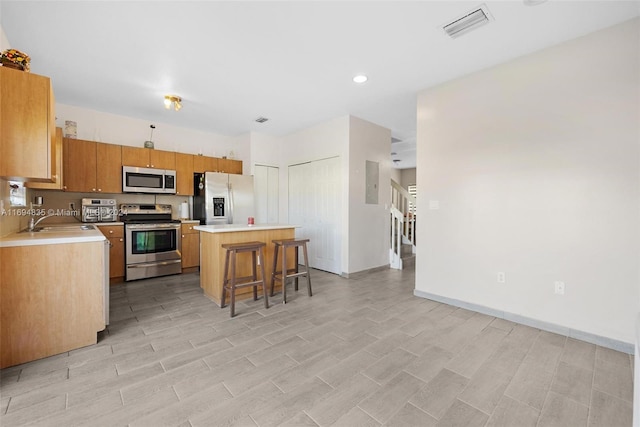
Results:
[115, 235]
[51, 299]
[190, 246]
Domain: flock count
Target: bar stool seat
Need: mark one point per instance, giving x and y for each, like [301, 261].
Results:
[285, 273]
[231, 282]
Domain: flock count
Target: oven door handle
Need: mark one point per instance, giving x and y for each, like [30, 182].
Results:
[151, 226]
[154, 264]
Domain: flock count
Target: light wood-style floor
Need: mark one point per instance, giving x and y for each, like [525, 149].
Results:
[361, 352]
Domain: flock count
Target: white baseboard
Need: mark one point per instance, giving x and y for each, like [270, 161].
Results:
[622, 346]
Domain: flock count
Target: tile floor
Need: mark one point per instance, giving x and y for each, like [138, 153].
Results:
[361, 352]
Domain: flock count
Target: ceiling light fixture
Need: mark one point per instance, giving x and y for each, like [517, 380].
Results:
[467, 22]
[172, 100]
[360, 78]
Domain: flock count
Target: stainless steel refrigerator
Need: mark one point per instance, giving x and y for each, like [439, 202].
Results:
[221, 198]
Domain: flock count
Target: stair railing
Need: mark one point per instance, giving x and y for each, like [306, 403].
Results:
[403, 223]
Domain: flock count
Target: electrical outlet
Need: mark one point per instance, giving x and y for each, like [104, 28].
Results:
[501, 277]
[559, 287]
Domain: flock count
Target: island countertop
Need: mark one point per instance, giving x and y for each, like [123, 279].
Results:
[226, 228]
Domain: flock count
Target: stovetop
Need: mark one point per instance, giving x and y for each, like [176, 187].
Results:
[146, 213]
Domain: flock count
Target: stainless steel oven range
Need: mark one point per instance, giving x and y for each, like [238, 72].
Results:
[152, 241]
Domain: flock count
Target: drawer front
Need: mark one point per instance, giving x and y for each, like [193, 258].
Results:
[187, 228]
[112, 230]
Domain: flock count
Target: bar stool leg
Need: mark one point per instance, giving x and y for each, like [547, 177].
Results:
[306, 264]
[254, 275]
[295, 266]
[264, 280]
[284, 274]
[275, 264]
[225, 280]
[233, 284]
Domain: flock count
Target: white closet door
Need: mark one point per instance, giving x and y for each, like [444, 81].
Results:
[266, 182]
[315, 205]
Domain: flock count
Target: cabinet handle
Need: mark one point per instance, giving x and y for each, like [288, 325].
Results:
[110, 231]
[99, 189]
[121, 240]
[93, 189]
[183, 236]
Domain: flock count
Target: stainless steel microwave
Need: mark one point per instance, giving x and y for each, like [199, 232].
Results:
[148, 180]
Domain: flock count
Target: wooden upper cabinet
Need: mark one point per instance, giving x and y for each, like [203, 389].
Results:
[27, 126]
[109, 170]
[205, 164]
[59, 172]
[230, 166]
[79, 165]
[148, 158]
[92, 167]
[184, 174]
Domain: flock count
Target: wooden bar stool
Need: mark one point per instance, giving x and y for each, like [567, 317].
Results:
[231, 282]
[285, 273]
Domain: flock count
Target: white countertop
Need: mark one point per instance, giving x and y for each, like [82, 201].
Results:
[227, 228]
[52, 236]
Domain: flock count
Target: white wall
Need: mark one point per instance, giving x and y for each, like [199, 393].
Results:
[368, 223]
[115, 129]
[541, 182]
[407, 177]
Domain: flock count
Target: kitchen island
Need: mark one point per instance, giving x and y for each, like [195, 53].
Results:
[212, 256]
[53, 292]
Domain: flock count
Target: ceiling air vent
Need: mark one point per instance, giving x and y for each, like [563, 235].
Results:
[261, 119]
[467, 22]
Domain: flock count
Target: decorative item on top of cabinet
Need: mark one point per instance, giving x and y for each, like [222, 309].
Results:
[190, 247]
[115, 235]
[148, 158]
[58, 177]
[92, 167]
[27, 126]
[184, 174]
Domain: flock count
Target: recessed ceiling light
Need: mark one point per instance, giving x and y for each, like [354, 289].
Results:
[360, 78]
[261, 119]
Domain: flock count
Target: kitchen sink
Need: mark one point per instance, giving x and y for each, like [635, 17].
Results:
[61, 228]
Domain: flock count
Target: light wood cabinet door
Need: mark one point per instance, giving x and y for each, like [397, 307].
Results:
[148, 158]
[160, 159]
[184, 174]
[230, 166]
[190, 246]
[27, 126]
[79, 165]
[203, 164]
[109, 168]
[58, 176]
[115, 235]
[116, 257]
[135, 156]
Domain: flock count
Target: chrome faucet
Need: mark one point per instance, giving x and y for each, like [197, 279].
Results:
[33, 223]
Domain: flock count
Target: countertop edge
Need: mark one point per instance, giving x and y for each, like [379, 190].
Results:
[230, 228]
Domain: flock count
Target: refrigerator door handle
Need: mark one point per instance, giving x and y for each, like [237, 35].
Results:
[230, 192]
